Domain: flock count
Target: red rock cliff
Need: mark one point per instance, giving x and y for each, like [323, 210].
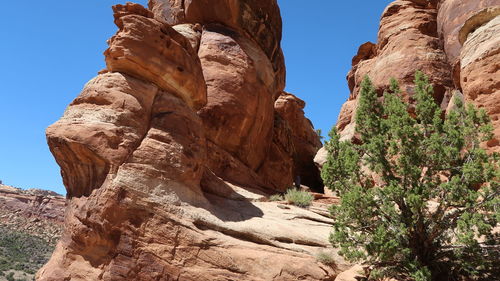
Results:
[169, 153]
[454, 42]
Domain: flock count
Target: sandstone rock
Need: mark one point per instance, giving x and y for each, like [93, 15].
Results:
[451, 105]
[477, 20]
[347, 114]
[163, 169]
[239, 113]
[279, 166]
[257, 18]
[407, 41]
[480, 67]
[171, 158]
[353, 274]
[365, 52]
[36, 212]
[451, 17]
[33, 204]
[172, 11]
[231, 169]
[305, 140]
[100, 129]
[192, 32]
[321, 157]
[152, 51]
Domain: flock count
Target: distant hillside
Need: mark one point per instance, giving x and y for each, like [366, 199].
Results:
[31, 222]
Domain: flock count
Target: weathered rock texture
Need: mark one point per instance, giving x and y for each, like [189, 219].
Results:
[169, 153]
[454, 42]
[35, 212]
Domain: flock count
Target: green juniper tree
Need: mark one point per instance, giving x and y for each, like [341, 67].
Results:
[419, 196]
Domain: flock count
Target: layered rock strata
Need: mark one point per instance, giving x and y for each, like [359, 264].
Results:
[168, 155]
[454, 42]
[36, 212]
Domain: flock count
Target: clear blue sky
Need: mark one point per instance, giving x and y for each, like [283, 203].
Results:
[50, 49]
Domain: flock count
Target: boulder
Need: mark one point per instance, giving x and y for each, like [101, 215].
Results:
[321, 157]
[355, 273]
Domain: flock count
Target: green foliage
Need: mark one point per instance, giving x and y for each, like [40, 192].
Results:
[325, 258]
[299, 198]
[276, 197]
[436, 192]
[22, 252]
[10, 276]
[320, 134]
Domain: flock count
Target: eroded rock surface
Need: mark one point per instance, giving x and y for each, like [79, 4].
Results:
[407, 40]
[304, 139]
[454, 42]
[35, 212]
[169, 154]
[480, 66]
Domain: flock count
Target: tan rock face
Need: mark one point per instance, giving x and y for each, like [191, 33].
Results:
[100, 129]
[407, 41]
[169, 154]
[480, 68]
[305, 140]
[427, 36]
[452, 15]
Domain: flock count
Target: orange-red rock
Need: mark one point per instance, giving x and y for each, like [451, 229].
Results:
[151, 50]
[451, 17]
[239, 114]
[428, 36]
[279, 168]
[162, 154]
[259, 19]
[480, 66]
[100, 129]
[306, 141]
[407, 41]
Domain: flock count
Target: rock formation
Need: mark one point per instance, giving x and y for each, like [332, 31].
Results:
[454, 42]
[31, 223]
[168, 155]
[35, 212]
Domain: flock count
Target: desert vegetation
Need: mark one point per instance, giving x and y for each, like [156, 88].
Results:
[22, 253]
[419, 195]
[298, 197]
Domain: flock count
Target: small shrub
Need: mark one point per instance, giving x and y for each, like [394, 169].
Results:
[276, 197]
[299, 198]
[325, 258]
